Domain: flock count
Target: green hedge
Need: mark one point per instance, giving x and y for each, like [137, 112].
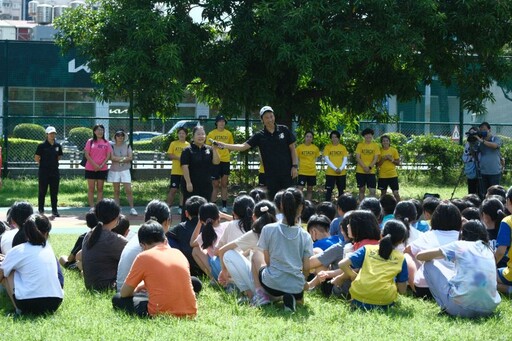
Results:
[22, 150]
[29, 131]
[79, 136]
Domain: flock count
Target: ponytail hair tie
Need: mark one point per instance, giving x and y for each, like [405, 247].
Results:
[264, 209]
[500, 212]
[153, 218]
[209, 221]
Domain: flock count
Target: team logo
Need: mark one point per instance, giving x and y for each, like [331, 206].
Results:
[207, 151]
[57, 149]
[281, 136]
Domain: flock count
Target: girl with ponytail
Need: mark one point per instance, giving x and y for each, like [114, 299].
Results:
[102, 248]
[37, 286]
[469, 289]
[492, 212]
[204, 240]
[286, 248]
[380, 265]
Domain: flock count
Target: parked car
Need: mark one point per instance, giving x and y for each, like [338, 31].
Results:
[189, 124]
[144, 135]
[67, 147]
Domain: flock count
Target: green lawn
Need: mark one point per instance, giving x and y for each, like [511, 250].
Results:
[89, 316]
[73, 191]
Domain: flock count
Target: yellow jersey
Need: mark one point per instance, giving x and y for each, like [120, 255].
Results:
[388, 169]
[307, 156]
[336, 154]
[367, 151]
[223, 136]
[176, 148]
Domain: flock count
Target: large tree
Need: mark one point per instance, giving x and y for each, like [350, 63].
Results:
[136, 48]
[305, 58]
[308, 57]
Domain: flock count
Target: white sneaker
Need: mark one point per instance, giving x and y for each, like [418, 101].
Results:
[224, 210]
[133, 211]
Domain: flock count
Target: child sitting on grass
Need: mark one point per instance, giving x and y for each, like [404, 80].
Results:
[286, 250]
[204, 240]
[70, 262]
[380, 265]
[318, 228]
[470, 289]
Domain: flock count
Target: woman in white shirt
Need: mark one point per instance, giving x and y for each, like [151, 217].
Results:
[29, 271]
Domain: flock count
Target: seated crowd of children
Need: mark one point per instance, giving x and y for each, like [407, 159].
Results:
[456, 252]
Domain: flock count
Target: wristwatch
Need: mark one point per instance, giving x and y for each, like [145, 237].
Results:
[295, 166]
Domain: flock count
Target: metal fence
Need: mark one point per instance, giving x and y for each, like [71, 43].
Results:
[19, 153]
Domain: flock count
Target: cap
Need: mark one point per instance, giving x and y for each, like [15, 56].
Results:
[50, 130]
[119, 132]
[220, 118]
[265, 109]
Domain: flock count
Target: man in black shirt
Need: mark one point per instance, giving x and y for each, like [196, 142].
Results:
[47, 157]
[277, 148]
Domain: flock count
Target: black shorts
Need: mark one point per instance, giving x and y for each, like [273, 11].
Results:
[175, 181]
[277, 293]
[391, 182]
[38, 306]
[99, 175]
[304, 180]
[220, 170]
[262, 180]
[367, 180]
[339, 181]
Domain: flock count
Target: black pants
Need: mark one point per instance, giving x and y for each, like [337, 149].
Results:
[46, 180]
[38, 306]
[138, 304]
[275, 183]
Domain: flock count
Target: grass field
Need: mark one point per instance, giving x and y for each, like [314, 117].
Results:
[89, 316]
[73, 191]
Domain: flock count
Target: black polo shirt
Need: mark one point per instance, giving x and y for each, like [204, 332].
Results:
[49, 154]
[200, 162]
[275, 149]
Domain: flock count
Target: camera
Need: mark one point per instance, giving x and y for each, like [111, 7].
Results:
[472, 134]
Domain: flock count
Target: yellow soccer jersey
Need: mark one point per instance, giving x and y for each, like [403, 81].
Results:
[336, 154]
[224, 136]
[388, 168]
[307, 159]
[375, 282]
[367, 152]
[176, 148]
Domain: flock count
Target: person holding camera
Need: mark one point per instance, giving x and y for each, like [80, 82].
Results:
[489, 157]
[469, 157]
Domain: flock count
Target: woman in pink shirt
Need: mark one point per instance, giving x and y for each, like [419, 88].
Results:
[97, 152]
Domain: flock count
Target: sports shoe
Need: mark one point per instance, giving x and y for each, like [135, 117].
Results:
[133, 211]
[259, 299]
[55, 214]
[243, 300]
[289, 302]
[224, 210]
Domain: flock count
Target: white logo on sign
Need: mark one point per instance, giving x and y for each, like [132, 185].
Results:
[73, 69]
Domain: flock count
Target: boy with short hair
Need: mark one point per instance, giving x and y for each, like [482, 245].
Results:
[179, 235]
[318, 228]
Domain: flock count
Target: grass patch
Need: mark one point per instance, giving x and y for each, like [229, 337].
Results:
[73, 191]
[89, 316]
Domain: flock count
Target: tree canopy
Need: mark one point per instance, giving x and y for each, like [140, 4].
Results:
[305, 58]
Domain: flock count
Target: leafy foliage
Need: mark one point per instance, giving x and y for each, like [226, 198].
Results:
[79, 136]
[442, 156]
[29, 131]
[24, 148]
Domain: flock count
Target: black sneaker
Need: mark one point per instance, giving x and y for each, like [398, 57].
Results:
[289, 302]
[55, 214]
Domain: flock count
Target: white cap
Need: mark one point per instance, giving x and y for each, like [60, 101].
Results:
[265, 109]
[50, 130]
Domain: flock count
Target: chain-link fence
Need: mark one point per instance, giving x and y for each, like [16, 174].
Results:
[150, 137]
